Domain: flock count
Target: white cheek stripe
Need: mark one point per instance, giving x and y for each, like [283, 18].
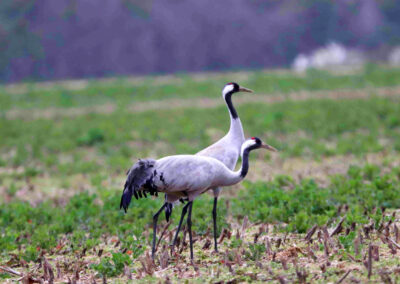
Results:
[246, 144]
[227, 89]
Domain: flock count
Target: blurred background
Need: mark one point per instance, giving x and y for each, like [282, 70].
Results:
[46, 40]
[89, 86]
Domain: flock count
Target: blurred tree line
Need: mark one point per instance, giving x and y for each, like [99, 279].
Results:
[50, 39]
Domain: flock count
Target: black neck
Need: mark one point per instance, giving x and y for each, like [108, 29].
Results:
[228, 100]
[245, 160]
[245, 164]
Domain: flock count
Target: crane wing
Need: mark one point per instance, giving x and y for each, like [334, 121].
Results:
[139, 175]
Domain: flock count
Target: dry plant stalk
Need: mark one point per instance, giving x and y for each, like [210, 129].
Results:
[162, 234]
[369, 263]
[311, 232]
[344, 277]
[339, 227]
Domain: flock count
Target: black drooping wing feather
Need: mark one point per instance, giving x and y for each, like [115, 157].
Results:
[168, 210]
[140, 175]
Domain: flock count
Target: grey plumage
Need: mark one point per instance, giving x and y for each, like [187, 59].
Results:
[183, 176]
[179, 176]
[227, 149]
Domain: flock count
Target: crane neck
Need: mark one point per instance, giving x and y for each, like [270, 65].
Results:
[235, 129]
[231, 108]
[244, 169]
[237, 176]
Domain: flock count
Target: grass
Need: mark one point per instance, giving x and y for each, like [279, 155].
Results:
[308, 128]
[307, 204]
[89, 223]
[86, 216]
[123, 91]
[61, 179]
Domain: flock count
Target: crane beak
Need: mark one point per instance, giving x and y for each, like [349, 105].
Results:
[269, 147]
[243, 89]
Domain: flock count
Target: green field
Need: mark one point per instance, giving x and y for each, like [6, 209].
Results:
[65, 148]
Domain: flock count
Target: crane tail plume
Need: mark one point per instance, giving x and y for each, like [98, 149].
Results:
[138, 179]
[125, 200]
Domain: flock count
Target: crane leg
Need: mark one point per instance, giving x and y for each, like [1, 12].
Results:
[189, 224]
[155, 219]
[214, 213]
[184, 210]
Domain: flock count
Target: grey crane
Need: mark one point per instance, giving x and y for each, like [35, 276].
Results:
[183, 177]
[226, 150]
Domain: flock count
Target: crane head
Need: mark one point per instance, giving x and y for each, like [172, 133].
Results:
[233, 87]
[256, 143]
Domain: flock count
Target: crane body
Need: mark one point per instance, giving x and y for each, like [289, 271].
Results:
[183, 176]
